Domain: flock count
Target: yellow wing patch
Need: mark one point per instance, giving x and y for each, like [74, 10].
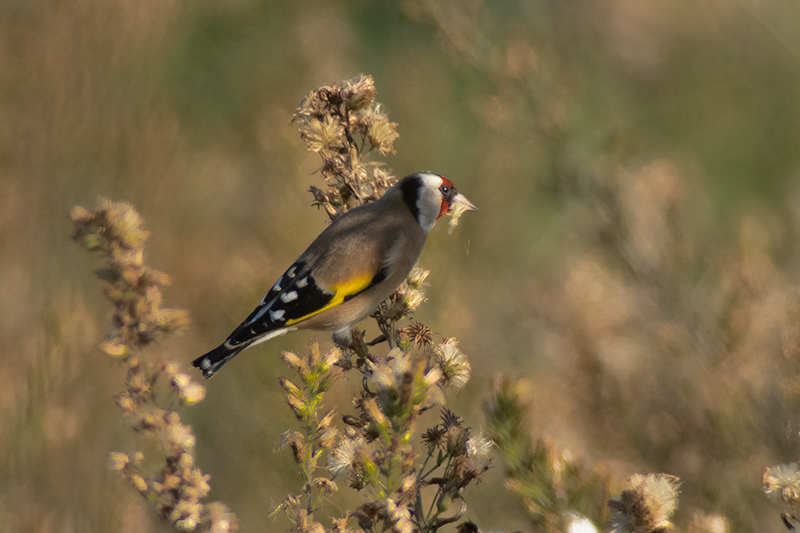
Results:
[341, 291]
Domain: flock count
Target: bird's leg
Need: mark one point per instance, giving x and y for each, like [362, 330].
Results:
[357, 343]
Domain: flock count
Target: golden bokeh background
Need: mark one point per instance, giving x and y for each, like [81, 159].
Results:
[634, 261]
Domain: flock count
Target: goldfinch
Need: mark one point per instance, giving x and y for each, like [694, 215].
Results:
[349, 269]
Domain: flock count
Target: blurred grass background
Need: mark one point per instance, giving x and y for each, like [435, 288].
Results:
[635, 257]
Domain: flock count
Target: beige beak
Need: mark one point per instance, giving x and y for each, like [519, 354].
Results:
[459, 204]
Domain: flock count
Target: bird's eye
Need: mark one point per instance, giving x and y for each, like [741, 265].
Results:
[445, 189]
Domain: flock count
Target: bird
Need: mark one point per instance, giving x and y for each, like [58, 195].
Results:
[349, 269]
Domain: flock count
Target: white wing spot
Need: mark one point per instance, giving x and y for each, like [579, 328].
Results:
[277, 285]
[276, 315]
[289, 296]
[290, 272]
[205, 363]
[302, 283]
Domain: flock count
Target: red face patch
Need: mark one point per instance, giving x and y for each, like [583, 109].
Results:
[446, 185]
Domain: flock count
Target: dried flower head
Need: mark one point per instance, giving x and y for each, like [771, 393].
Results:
[405, 300]
[646, 505]
[295, 441]
[118, 461]
[382, 132]
[412, 299]
[359, 92]
[350, 458]
[189, 392]
[329, 359]
[294, 362]
[399, 516]
[325, 485]
[325, 134]
[416, 279]
[782, 482]
[453, 364]
[419, 334]
[435, 437]
[139, 483]
[478, 449]
[389, 372]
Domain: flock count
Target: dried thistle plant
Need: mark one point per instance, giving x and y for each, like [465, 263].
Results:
[316, 373]
[381, 450]
[341, 123]
[152, 387]
[554, 487]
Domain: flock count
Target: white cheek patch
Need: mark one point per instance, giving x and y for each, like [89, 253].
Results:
[289, 296]
[428, 204]
[429, 201]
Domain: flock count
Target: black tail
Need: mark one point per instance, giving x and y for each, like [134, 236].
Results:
[213, 360]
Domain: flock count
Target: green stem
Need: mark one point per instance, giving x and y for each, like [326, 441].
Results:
[310, 462]
[392, 337]
[430, 516]
[439, 462]
[418, 509]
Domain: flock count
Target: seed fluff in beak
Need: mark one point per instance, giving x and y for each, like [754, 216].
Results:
[458, 206]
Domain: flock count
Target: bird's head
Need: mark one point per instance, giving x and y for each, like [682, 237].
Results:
[429, 196]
